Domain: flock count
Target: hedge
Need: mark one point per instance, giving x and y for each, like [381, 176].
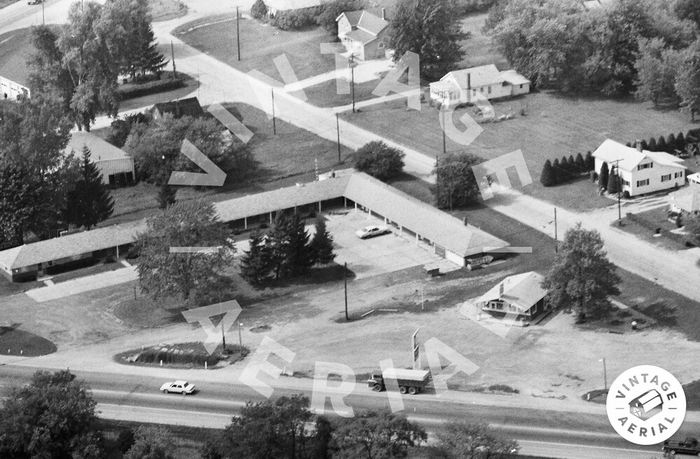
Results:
[152, 87]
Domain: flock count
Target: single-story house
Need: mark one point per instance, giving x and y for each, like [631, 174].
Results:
[115, 165]
[179, 108]
[686, 200]
[276, 6]
[641, 171]
[462, 86]
[11, 90]
[520, 296]
[439, 231]
[364, 34]
[14, 72]
[694, 179]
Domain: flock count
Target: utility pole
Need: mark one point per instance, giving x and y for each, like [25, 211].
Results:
[240, 339]
[223, 337]
[274, 122]
[605, 374]
[444, 139]
[437, 182]
[556, 241]
[345, 281]
[43, 21]
[619, 186]
[172, 58]
[238, 36]
[337, 129]
[352, 77]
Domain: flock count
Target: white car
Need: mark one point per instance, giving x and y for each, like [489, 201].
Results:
[178, 387]
[371, 231]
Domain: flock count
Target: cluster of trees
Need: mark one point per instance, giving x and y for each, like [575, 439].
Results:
[581, 277]
[569, 168]
[286, 250]
[79, 64]
[194, 277]
[323, 15]
[379, 160]
[272, 429]
[644, 47]
[44, 190]
[456, 184]
[669, 145]
[609, 180]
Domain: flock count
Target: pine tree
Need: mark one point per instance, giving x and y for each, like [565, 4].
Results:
[255, 264]
[580, 163]
[680, 141]
[89, 202]
[671, 143]
[661, 144]
[148, 58]
[322, 244]
[288, 240]
[590, 161]
[652, 145]
[565, 169]
[557, 171]
[547, 177]
[166, 196]
[613, 182]
[645, 146]
[603, 176]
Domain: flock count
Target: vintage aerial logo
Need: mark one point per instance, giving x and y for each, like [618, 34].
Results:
[646, 405]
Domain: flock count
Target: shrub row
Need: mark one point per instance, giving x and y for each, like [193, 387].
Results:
[669, 144]
[173, 355]
[653, 226]
[566, 169]
[152, 87]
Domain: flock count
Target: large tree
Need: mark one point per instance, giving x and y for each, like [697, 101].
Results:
[460, 440]
[431, 29]
[656, 67]
[582, 277]
[688, 79]
[151, 442]
[89, 202]
[52, 417]
[373, 434]
[256, 263]
[322, 244]
[456, 184]
[379, 160]
[288, 241]
[185, 224]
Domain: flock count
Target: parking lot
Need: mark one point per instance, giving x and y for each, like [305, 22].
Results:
[381, 254]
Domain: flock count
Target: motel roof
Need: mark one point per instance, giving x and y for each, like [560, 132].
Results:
[439, 227]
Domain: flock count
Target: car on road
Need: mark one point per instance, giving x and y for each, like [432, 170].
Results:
[178, 387]
[34, 2]
[371, 231]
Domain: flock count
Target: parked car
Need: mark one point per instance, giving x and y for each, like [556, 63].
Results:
[34, 2]
[371, 231]
[178, 387]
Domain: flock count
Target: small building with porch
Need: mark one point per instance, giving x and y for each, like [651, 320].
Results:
[519, 297]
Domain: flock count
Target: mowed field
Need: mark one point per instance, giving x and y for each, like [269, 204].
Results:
[260, 44]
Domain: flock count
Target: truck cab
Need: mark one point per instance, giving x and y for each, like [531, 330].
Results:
[688, 446]
[407, 381]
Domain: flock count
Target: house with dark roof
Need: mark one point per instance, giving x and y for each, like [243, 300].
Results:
[486, 81]
[114, 164]
[444, 234]
[520, 297]
[364, 34]
[179, 108]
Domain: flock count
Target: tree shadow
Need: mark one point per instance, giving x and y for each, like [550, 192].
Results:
[665, 314]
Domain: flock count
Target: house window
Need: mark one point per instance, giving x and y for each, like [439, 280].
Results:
[645, 166]
[678, 174]
[625, 182]
[666, 178]
[643, 182]
[489, 89]
[521, 86]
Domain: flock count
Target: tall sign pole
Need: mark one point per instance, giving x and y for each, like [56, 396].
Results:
[337, 129]
[238, 35]
[274, 122]
[556, 241]
[415, 349]
[172, 58]
[345, 281]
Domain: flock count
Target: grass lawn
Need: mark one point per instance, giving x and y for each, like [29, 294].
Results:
[653, 219]
[326, 93]
[284, 158]
[165, 10]
[19, 342]
[4, 3]
[552, 127]
[260, 44]
[479, 49]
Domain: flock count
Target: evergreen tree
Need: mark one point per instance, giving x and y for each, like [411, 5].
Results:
[166, 196]
[645, 146]
[89, 202]
[580, 163]
[148, 59]
[590, 161]
[603, 176]
[255, 264]
[661, 144]
[322, 244]
[680, 141]
[573, 168]
[651, 145]
[565, 169]
[258, 10]
[288, 240]
[547, 177]
[671, 143]
[613, 183]
[557, 171]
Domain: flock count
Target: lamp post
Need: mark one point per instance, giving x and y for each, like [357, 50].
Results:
[238, 37]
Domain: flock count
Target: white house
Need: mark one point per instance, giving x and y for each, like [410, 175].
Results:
[464, 86]
[116, 167]
[364, 34]
[520, 296]
[641, 171]
[277, 6]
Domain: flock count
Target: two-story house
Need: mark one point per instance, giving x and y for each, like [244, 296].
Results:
[364, 34]
[640, 171]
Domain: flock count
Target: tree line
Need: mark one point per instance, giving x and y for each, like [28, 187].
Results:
[642, 47]
[566, 169]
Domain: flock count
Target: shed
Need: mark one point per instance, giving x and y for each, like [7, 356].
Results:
[114, 164]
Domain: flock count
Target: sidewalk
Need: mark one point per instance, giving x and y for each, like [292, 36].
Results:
[83, 284]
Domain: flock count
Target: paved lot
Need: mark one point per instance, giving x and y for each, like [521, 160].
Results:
[83, 284]
[381, 254]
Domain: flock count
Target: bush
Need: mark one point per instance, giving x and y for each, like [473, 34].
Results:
[652, 145]
[626, 194]
[590, 161]
[258, 10]
[152, 87]
[547, 178]
[580, 163]
[379, 160]
[332, 10]
[296, 19]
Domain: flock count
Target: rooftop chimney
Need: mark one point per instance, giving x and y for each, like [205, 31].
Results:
[500, 288]
[638, 144]
[384, 13]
